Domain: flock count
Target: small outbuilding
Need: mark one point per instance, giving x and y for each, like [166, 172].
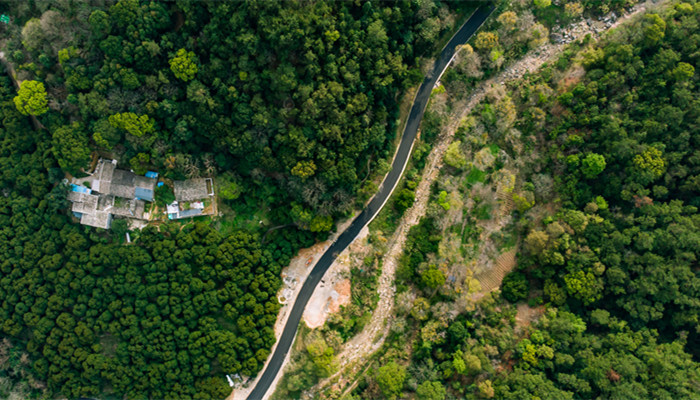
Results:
[193, 197]
[111, 192]
[193, 189]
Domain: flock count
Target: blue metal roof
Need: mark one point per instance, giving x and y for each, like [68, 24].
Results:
[79, 189]
[151, 174]
[143, 194]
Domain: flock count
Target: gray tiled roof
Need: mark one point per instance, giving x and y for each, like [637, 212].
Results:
[114, 192]
[104, 177]
[131, 209]
[83, 202]
[121, 183]
[124, 183]
[192, 189]
[99, 219]
[74, 196]
[189, 213]
[105, 202]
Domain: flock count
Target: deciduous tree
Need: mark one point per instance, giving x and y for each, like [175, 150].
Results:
[390, 378]
[31, 98]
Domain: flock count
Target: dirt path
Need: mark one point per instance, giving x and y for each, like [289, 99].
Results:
[373, 335]
[352, 358]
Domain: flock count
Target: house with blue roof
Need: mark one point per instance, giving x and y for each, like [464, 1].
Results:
[111, 192]
[121, 183]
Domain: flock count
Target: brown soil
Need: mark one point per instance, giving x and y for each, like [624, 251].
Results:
[490, 279]
[572, 77]
[343, 290]
[334, 289]
[527, 315]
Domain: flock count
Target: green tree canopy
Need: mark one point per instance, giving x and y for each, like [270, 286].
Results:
[431, 390]
[31, 98]
[184, 65]
[136, 125]
[650, 161]
[433, 278]
[515, 287]
[654, 29]
[164, 195]
[592, 165]
[390, 378]
[120, 227]
[304, 169]
[70, 147]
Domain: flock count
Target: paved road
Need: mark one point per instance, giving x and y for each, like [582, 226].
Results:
[373, 208]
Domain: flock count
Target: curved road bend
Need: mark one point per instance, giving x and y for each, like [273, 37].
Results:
[373, 208]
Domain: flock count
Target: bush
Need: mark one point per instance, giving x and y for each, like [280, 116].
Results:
[404, 200]
[515, 287]
[164, 195]
[120, 227]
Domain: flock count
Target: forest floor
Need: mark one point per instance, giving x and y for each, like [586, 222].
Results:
[354, 354]
[526, 315]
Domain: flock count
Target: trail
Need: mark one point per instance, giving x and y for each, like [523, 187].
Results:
[281, 350]
[355, 353]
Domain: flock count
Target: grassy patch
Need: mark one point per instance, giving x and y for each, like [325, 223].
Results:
[549, 16]
[504, 240]
[388, 218]
[468, 233]
[242, 216]
[475, 175]
[109, 345]
[483, 212]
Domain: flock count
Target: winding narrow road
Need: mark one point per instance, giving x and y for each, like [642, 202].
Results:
[374, 206]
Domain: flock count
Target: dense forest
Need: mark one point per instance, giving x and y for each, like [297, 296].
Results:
[599, 156]
[622, 251]
[164, 318]
[292, 102]
[289, 105]
[292, 106]
[624, 154]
